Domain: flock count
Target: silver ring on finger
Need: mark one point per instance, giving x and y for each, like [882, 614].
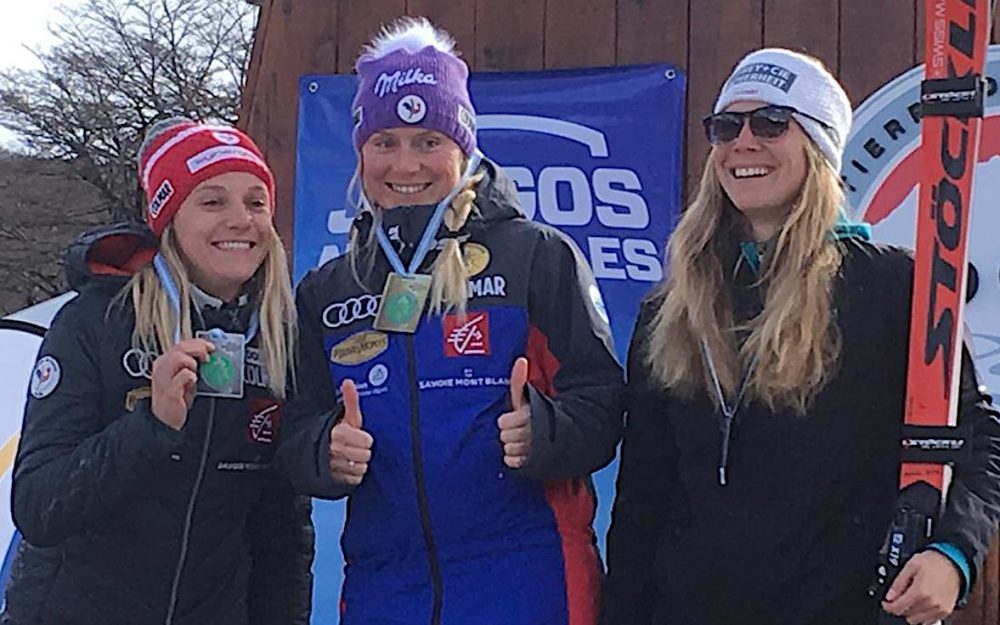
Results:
[351, 463]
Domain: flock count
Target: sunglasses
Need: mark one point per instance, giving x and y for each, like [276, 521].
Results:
[766, 122]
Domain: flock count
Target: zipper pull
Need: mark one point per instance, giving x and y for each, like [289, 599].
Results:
[726, 426]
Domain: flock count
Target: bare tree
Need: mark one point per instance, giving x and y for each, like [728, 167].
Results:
[118, 66]
[43, 205]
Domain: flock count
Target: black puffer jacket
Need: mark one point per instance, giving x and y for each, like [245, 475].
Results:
[146, 516]
[793, 537]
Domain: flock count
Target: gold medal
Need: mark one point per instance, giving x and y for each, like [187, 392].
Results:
[403, 301]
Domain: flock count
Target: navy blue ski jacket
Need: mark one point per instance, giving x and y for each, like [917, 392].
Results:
[440, 531]
[111, 492]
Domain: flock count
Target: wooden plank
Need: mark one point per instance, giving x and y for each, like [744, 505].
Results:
[652, 32]
[722, 32]
[972, 613]
[805, 27]
[458, 18]
[300, 38]
[991, 585]
[877, 44]
[579, 33]
[919, 32]
[250, 86]
[509, 35]
[360, 20]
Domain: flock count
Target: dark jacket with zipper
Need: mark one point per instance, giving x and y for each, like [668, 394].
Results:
[793, 536]
[440, 531]
[139, 515]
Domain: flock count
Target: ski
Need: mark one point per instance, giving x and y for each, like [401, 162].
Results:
[952, 93]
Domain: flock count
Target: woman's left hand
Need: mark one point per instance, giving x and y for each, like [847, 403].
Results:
[926, 590]
[515, 426]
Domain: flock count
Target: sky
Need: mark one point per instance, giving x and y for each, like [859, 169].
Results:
[24, 22]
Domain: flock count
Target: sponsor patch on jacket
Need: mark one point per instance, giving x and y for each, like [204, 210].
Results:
[136, 395]
[239, 465]
[359, 348]
[263, 421]
[350, 310]
[45, 378]
[476, 258]
[488, 286]
[469, 379]
[598, 302]
[378, 375]
[467, 337]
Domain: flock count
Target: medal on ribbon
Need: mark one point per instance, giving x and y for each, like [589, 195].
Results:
[403, 301]
[404, 296]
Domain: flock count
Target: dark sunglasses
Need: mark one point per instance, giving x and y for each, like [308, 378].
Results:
[766, 122]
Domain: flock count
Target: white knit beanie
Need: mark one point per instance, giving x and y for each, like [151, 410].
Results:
[786, 78]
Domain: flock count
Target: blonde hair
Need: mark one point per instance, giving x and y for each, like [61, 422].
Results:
[449, 275]
[156, 320]
[794, 342]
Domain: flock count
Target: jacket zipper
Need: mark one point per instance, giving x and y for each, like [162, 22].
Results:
[189, 517]
[418, 470]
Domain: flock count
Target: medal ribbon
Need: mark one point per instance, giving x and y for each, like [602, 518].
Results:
[430, 230]
[163, 272]
[728, 411]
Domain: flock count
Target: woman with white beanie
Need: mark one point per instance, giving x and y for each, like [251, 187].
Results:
[765, 396]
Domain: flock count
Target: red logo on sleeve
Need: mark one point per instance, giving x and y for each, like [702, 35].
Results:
[262, 426]
[470, 337]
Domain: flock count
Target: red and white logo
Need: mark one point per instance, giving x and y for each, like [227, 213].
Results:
[470, 337]
[262, 427]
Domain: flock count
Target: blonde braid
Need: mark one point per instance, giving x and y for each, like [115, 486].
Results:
[449, 278]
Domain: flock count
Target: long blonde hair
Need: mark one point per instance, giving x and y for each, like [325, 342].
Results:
[449, 276]
[794, 342]
[155, 319]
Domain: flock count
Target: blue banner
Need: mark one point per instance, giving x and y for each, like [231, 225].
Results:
[596, 153]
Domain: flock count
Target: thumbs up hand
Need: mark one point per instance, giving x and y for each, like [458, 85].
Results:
[515, 426]
[350, 446]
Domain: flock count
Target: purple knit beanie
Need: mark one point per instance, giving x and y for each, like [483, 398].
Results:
[409, 76]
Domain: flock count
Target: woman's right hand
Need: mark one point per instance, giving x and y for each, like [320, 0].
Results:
[350, 446]
[174, 379]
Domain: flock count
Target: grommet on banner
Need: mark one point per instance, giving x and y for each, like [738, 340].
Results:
[670, 74]
[313, 87]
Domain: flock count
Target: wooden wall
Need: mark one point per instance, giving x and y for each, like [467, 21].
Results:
[864, 42]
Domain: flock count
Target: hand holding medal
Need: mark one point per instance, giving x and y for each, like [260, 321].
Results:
[515, 426]
[350, 446]
[174, 378]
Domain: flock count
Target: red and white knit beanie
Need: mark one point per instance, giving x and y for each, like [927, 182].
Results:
[179, 154]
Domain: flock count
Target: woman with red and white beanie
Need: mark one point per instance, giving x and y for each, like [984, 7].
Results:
[145, 464]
